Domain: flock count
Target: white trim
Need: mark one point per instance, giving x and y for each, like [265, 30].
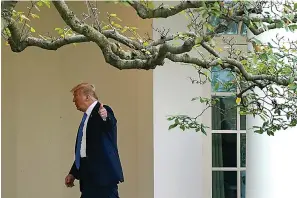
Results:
[223, 94]
[228, 131]
[238, 119]
[227, 169]
[240, 40]
[224, 131]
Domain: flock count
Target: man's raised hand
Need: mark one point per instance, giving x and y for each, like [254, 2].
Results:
[102, 112]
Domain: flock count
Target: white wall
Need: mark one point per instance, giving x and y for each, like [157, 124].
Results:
[178, 155]
[270, 159]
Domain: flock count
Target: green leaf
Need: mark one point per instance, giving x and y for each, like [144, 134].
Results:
[37, 8]
[244, 61]
[47, 3]
[220, 61]
[243, 113]
[170, 118]
[203, 129]
[269, 44]
[260, 131]
[7, 32]
[216, 13]
[172, 126]
[251, 25]
[264, 57]
[151, 5]
[32, 29]
[113, 15]
[106, 27]
[292, 86]
[292, 27]
[176, 121]
[60, 30]
[198, 40]
[196, 98]
[42, 37]
[280, 24]
[209, 27]
[295, 6]
[145, 44]
[117, 25]
[24, 17]
[217, 85]
[125, 29]
[205, 13]
[216, 5]
[257, 41]
[238, 100]
[287, 7]
[39, 3]
[291, 79]
[34, 16]
[202, 100]
[200, 9]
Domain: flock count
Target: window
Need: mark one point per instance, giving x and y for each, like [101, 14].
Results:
[233, 28]
[228, 139]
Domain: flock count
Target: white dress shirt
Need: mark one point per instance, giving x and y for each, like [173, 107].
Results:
[83, 142]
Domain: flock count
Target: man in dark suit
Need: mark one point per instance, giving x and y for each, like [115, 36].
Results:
[97, 163]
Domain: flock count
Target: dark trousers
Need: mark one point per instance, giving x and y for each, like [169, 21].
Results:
[89, 189]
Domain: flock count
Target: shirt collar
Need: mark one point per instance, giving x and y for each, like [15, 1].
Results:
[91, 107]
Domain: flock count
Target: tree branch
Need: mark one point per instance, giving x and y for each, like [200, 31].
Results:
[49, 44]
[161, 12]
[99, 38]
[253, 29]
[122, 39]
[6, 13]
[140, 57]
[210, 49]
[239, 68]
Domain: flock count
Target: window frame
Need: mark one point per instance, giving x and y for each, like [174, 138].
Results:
[239, 169]
[241, 40]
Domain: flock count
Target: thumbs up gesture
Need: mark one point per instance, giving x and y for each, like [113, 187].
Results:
[102, 112]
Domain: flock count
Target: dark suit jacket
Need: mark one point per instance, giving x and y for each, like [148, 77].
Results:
[103, 158]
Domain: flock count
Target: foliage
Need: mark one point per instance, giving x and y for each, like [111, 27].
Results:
[265, 78]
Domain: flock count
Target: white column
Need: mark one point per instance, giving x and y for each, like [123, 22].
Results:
[271, 160]
[178, 158]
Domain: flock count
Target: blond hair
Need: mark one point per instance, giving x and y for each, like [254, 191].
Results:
[86, 88]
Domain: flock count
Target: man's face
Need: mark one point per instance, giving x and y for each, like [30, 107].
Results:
[80, 100]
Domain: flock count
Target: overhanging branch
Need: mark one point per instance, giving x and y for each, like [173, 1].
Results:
[140, 56]
[52, 45]
[6, 13]
[161, 12]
